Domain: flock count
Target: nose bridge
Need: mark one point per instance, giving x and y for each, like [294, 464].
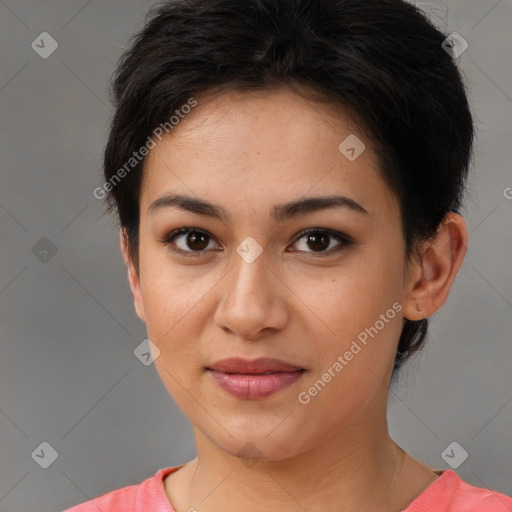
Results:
[248, 303]
[248, 279]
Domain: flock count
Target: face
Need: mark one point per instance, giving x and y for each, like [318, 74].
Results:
[318, 288]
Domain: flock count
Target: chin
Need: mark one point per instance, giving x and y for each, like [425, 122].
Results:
[253, 445]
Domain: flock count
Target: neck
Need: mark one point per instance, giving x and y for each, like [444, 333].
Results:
[357, 468]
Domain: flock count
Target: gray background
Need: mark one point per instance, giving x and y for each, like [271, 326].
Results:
[68, 374]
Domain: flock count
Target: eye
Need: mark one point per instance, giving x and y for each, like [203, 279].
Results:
[191, 242]
[320, 240]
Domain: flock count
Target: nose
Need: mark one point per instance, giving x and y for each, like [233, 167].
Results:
[253, 300]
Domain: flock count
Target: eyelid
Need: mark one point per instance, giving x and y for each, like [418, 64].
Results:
[342, 237]
[345, 240]
[168, 240]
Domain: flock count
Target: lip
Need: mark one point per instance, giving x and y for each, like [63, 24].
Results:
[254, 366]
[253, 379]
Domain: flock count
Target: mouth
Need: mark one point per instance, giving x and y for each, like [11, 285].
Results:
[254, 379]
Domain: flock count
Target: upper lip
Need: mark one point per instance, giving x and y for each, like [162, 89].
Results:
[261, 365]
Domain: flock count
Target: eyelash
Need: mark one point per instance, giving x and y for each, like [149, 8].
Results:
[345, 240]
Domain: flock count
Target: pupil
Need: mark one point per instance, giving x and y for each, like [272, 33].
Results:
[195, 237]
[200, 241]
[323, 236]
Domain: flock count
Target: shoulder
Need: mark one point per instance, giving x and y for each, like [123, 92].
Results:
[110, 501]
[449, 493]
[148, 494]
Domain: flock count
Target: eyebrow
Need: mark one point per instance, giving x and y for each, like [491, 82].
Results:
[279, 212]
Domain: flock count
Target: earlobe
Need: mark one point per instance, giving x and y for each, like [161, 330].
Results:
[440, 260]
[133, 275]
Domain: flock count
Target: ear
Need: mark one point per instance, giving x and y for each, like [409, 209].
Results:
[431, 277]
[133, 275]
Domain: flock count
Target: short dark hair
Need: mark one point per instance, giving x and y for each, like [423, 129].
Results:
[380, 60]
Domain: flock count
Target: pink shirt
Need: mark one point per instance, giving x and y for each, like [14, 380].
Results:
[448, 493]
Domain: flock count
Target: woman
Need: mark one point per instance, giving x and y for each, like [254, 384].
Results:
[288, 176]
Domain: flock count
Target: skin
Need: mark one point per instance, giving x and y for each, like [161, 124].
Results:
[240, 151]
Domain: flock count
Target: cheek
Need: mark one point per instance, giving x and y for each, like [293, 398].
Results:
[357, 316]
[172, 300]
[173, 306]
[352, 365]
[344, 300]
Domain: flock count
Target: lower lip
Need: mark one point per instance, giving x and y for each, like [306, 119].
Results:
[255, 385]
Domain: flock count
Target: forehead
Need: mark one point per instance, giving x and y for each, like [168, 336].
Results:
[264, 145]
